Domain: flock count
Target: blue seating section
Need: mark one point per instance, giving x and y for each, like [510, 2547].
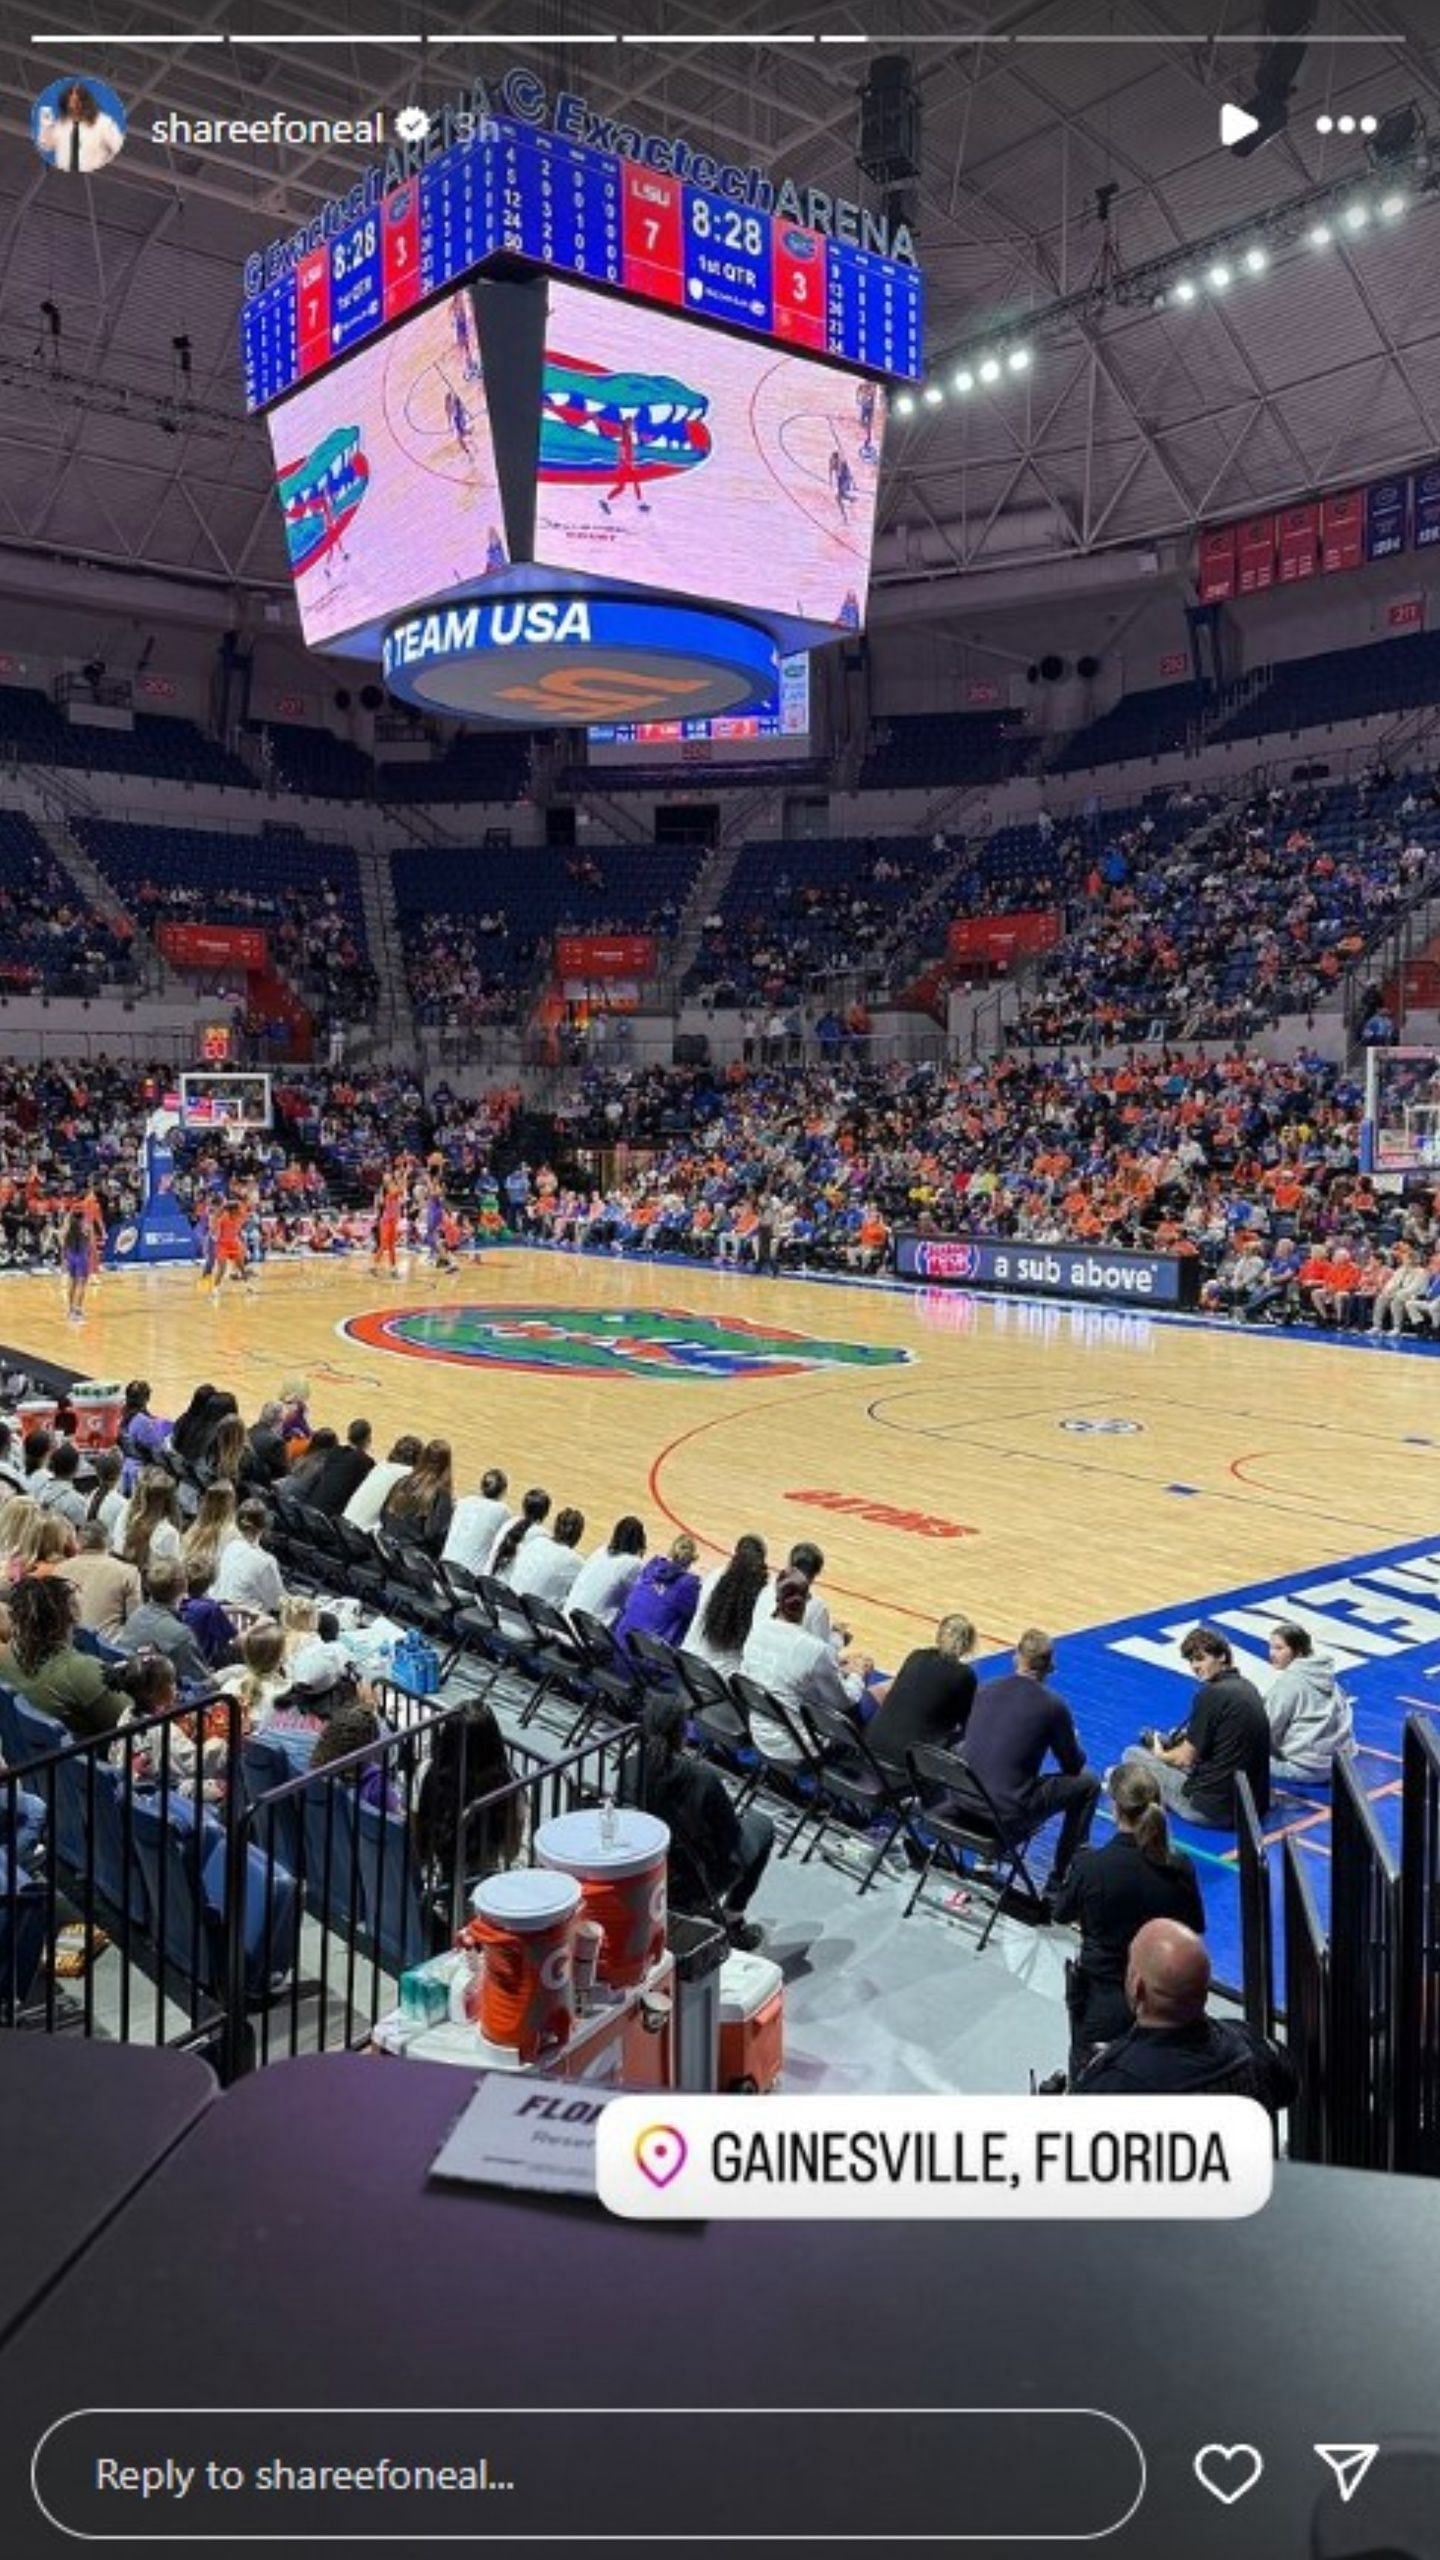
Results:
[159, 745]
[796, 910]
[316, 762]
[49, 938]
[1344, 684]
[307, 896]
[475, 924]
[1156, 722]
[478, 764]
[921, 750]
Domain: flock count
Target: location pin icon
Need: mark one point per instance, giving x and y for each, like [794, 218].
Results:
[661, 2152]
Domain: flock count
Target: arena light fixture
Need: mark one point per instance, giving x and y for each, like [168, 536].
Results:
[932, 395]
[989, 368]
[1220, 277]
[964, 380]
[1256, 260]
[1357, 215]
[1187, 290]
[1019, 359]
[1321, 235]
[1392, 206]
[904, 404]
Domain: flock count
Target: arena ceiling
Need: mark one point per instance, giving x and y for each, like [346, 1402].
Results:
[1131, 423]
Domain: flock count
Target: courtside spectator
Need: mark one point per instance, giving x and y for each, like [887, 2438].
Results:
[142, 1435]
[212, 1628]
[106, 1502]
[717, 1857]
[247, 1577]
[661, 1600]
[158, 1625]
[267, 1443]
[1016, 1724]
[42, 1663]
[1312, 1722]
[805, 1557]
[370, 1497]
[419, 1506]
[1226, 1732]
[57, 1490]
[604, 1579]
[477, 1524]
[1109, 1894]
[930, 1697]
[529, 1523]
[729, 1596]
[150, 1526]
[106, 1589]
[547, 1567]
[1174, 2049]
[458, 1824]
[796, 1668]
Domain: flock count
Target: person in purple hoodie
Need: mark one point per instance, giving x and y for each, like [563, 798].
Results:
[661, 1601]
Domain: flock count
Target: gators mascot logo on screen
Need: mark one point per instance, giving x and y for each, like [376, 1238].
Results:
[319, 495]
[618, 429]
[649, 1342]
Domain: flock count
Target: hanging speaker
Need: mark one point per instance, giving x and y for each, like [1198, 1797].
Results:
[1087, 668]
[341, 697]
[1052, 668]
[889, 145]
[371, 697]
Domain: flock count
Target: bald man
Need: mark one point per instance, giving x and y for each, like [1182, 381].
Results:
[1175, 2049]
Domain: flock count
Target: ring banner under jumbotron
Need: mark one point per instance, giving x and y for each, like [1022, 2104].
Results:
[1102, 1274]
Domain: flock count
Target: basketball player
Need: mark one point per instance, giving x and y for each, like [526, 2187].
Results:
[389, 1203]
[93, 1220]
[430, 1203]
[627, 469]
[75, 1261]
[231, 1261]
[865, 411]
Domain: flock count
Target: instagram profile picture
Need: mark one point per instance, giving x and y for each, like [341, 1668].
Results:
[78, 125]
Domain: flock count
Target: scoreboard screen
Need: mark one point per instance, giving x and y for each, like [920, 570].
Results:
[702, 464]
[513, 191]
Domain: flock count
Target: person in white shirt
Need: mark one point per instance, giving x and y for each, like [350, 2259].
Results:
[795, 1667]
[529, 1523]
[729, 1598]
[600, 1586]
[373, 1491]
[82, 137]
[547, 1568]
[246, 1576]
[807, 1558]
[477, 1523]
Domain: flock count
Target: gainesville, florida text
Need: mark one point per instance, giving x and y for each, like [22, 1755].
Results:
[1050, 2157]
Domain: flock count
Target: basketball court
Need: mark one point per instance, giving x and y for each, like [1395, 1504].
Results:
[1112, 1477]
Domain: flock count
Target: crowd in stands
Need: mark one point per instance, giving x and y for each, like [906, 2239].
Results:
[477, 928]
[141, 1581]
[51, 940]
[1260, 913]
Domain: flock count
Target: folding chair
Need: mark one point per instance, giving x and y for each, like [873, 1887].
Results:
[363, 1569]
[613, 1693]
[720, 1724]
[852, 1777]
[559, 1655]
[797, 1775]
[957, 1812]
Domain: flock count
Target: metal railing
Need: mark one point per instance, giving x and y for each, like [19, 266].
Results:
[1307, 2012]
[1257, 1926]
[1417, 2073]
[1364, 1980]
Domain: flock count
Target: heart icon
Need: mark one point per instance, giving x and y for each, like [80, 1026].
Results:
[1228, 2471]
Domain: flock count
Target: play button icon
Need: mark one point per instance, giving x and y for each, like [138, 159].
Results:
[1236, 125]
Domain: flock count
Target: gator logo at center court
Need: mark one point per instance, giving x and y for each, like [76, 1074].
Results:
[648, 1342]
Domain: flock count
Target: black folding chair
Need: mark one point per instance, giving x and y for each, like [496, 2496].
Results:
[559, 1656]
[854, 1781]
[656, 1661]
[720, 1724]
[956, 1814]
[613, 1695]
[360, 1562]
[795, 1773]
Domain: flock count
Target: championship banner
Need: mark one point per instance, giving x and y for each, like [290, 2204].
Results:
[1387, 514]
[1255, 553]
[215, 946]
[1298, 534]
[1427, 508]
[1217, 574]
[1342, 530]
[1001, 939]
[590, 956]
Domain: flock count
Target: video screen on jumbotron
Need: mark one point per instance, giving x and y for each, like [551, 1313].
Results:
[679, 457]
[386, 476]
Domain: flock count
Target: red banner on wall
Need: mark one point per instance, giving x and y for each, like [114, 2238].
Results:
[215, 946]
[1255, 554]
[605, 955]
[1342, 530]
[1298, 532]
[1406, 613]
[1000, 939]
[1217, 564]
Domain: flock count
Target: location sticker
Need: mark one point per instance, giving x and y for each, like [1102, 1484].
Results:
[660, 2153]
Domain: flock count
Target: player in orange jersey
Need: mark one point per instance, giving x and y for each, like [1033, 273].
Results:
[231, 1260]
[389, 1207]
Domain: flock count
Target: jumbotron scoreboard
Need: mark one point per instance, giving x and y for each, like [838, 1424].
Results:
[510, 192]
